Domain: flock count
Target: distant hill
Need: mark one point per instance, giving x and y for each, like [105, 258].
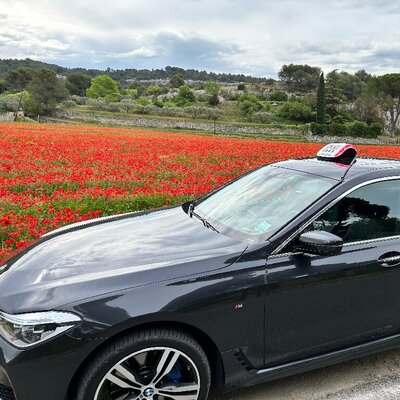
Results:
[124, 75]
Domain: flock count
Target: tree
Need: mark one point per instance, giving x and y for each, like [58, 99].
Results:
[46, 91]
[297, 111]
[17, 79]
[249, 104]
[387, 91]
[177, 81]
[212, 88]
[185, 96]
[153, 90]
[3, 86]
[366, 109]
[349, 85]
[77, 83]
[301, 78]
[334, 96]
[321, 100]
[363, 75]
[103, 87]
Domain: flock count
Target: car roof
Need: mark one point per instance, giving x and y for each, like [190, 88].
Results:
[334, 170]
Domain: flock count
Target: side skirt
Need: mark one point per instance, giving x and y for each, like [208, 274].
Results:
[254, 377]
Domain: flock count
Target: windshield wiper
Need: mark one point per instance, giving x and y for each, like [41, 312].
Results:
[202, 219]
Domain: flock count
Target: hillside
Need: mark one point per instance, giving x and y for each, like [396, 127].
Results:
[122, 75]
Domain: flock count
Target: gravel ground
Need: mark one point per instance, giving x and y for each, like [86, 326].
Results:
[371, 378]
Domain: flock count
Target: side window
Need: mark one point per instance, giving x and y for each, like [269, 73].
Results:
[370, 212]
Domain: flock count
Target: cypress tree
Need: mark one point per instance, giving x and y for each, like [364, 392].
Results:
[321, 100]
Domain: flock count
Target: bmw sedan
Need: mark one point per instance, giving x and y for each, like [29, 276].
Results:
[291, 267]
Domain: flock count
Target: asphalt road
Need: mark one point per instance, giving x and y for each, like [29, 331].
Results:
[371, 378]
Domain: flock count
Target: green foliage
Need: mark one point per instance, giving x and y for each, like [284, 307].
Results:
[375, 129]
[296, 111]
[103, 87]
[158, 103]
[262, 117]
[338, 129]
[300, 78]
[80, 100]
[46, 91]
[153, 90]
[365, 107]
[318, 129]
[9, 102]
[202, 112]
[133, 93]
[185, 96]
[241, 86]
[143, 101]
[211, 87]
[77, 83]
[361, 129]
[177, 81]
[3, 86]
[349, 86]
[386, 88]
[17, 80]
[249, 104]
[356, 129]
[278, 95]
[213, 100]
[321, 100]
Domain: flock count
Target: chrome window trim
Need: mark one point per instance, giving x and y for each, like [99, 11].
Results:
[333, 202]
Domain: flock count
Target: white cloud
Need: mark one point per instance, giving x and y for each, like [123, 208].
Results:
[249, 36]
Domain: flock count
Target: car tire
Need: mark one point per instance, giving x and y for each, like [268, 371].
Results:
[155, 363]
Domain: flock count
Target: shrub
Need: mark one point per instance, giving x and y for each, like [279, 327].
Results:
[249, 104]
[185, 96]
[375, 129]
[113, 107]
[97, 104]
[296, 111]
[318, 129]
[127, 105]
[143, 101]
[359, 129]
[336, 129]
[278, 95]
[262, 117]
[9, 102]
[79, 100]
[68, 103]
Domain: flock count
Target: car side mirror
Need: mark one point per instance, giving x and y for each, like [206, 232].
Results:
[320, 243]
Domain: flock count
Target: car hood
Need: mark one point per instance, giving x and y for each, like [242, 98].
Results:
[109, 254]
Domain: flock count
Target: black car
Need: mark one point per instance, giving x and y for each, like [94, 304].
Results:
[291, 267]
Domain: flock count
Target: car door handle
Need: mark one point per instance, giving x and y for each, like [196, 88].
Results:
[389, 260]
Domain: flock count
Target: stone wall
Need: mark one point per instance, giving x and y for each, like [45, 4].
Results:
[7, 117]
[174, 124]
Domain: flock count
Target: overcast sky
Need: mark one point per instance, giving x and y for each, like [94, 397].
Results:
[241, 36]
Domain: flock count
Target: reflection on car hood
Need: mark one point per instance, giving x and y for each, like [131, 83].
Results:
[110, 254]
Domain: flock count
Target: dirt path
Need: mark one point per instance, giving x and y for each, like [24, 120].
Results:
[375, 377]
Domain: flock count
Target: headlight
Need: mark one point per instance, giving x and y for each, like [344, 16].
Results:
[24, 330]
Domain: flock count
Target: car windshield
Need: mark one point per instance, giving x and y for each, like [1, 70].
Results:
[257, 205]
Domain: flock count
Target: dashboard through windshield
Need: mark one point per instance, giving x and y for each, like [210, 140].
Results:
[255, 206]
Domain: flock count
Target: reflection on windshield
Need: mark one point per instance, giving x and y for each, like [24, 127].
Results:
[260, 203]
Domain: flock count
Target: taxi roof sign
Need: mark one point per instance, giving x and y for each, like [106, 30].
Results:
[343, 153]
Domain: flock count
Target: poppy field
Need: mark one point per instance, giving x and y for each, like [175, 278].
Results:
[52, 175]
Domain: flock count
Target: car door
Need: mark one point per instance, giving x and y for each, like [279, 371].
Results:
[317, 304]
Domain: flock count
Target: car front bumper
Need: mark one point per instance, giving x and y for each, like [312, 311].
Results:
[43, 372]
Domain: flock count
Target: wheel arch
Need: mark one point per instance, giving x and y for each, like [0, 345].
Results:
[210, 348]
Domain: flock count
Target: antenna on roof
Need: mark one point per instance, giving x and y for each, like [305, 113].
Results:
[348, 169]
